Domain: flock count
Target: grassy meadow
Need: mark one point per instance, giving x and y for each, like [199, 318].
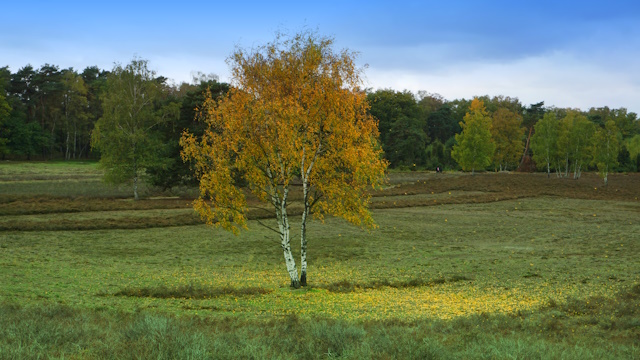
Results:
[491, 266]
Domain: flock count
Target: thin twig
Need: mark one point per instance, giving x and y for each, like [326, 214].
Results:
[269, 227]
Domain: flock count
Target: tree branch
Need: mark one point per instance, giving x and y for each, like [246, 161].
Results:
[270, 228]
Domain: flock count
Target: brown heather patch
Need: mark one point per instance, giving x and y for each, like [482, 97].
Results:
[418, 190]
[190, 292]
[101, 223]
[345, 286]
[506, 186]
[27, 205]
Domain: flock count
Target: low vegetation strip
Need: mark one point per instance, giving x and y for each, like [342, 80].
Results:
[345, 286]
[432, 190]
[190, 292]
[27, 205]
[142, 216]
[135, 222]
[623, 187]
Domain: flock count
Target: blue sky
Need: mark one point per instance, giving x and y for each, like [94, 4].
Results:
[567, 53]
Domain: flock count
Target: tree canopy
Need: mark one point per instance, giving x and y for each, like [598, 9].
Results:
[544, 142]
[402, 122]
[474, 148]
[507, 133]
[124, 133]
[5, 112]
[605, 147]
[574, 141]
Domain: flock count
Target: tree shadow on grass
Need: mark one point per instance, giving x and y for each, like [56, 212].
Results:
[189, 292]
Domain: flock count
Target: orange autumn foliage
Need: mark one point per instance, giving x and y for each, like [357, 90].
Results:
[295, 111]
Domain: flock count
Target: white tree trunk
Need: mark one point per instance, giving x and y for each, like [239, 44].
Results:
[135, 179]
[303, 238]
[288, 256]
[285, 239]
[305, 173]
[75, 141]
[67, 153]
[135, 188]
[606, 169]
[579, 171]
[548, 158]
[280, 206]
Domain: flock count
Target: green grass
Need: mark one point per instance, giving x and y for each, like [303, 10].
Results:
[544, 276]
[56, 331]
[59, 179]
[55, 170]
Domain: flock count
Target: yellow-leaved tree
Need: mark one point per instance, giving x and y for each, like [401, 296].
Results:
[508, 135]
[475, 147]
[296, 114]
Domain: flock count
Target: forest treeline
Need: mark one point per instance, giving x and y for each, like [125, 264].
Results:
[419, 131]
[50, 113]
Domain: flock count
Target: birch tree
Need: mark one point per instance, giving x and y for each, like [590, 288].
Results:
[580, 143]
[475, 147]
[295, 113]
[125, 132]
[564, 146]
[544, 142]
[574, 142]
[606, 147]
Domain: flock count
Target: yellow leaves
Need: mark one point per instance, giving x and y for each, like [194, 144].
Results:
[477, 105]
[475, 147]
[295, 108]
[507, 133]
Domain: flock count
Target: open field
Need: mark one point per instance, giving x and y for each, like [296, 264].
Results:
[489, 266]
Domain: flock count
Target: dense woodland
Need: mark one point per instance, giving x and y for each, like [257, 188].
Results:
[50, 113]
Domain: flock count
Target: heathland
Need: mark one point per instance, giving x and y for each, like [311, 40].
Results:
[495, 265]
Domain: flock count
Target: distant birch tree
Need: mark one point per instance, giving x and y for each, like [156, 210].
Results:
[606, 146]
[575, 143]
[125, 132]
[544, 142]
[580, 143]
[564, 146]
[474, 148]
